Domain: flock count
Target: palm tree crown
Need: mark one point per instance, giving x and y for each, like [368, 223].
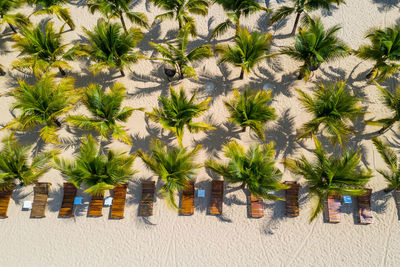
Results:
[7, 6]
[54, 7]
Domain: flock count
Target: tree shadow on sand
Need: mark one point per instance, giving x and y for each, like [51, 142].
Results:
[386, 5]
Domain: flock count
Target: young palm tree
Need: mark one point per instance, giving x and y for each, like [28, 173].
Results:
[7, 6]
[250, 109]
[254, 168]
[300, 6]
[106, 111]
[178, 56]
[249, 50]
[330, 174]
[117, 9]
[384, 50]
[235, 10]
[111, 48]
[175, 167]
[314, 45]
[178, 112]
[333, 108]
[182, 11]
[42, 104]
[98, 170]
[50, 7]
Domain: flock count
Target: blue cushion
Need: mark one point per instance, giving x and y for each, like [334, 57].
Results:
[78, 200]
[347, 199]
[201, 193]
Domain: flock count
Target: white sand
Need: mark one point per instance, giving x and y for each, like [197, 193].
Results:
[167, 239]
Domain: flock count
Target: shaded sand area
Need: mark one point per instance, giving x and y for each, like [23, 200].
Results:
[233, 239]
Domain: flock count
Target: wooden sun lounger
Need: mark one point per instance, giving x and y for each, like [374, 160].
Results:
[96, 206]
[364, 207]
[5, 200]
[188, 199]
[146, 204]
[217, 195]
[334, 205]
[67, 206]
[256, 206]
[118, 205]
[292, 199]
[41, 193]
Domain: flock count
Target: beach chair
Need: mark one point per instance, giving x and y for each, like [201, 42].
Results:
[292, 199]
[217, 195]
[364, 207]
[5, 196]
[118, 205]
[334, 206]
[188, 199]
[41, 193]
[146, 204]
[67, 206]
[256, 206]
[96, 206]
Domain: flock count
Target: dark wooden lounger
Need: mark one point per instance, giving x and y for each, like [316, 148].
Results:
[292, 199]
[334, 205]
[41, 193]
[217, 195]
[256, 206]
[364, 207]
[146, 204]
[118, 205]
[188, 199]
[5, 201]
[96, 206]
[67, 206]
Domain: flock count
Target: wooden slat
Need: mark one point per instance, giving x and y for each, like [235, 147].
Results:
[188, 199]
[217, 194]
[41, 193]
[334, 205]
[146, 204]
[96, 206]
[67, 206]
[118, 205]
[5, 201]
[364, 207]
[292, 199]
[256, 206]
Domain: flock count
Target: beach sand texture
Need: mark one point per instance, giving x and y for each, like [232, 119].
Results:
[232, 239]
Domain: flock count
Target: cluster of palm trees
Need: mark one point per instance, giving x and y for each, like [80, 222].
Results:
[46, 103]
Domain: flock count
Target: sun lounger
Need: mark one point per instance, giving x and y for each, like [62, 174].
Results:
[118, 205]
[41, 193]
[96, 206]
[334, 206]
[217, 195]
[188, 199]
[256, 206]
[67, 206]
[146, 204]
[5, 196]
[364, 207]
[397, 199]
[292, 199]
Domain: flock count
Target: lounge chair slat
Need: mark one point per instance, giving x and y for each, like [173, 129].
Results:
[256, 206]
[67, 206]
[364, 207]
[334, 206]
[188, 199]
[96, 206]
[41, 193]
[217, 195]
[146, 204]
[292, 199]
[5, 197]
[118, 205]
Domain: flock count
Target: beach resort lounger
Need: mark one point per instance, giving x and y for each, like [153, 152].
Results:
[217, 195]
[118, 203]
[334, 206]
[67, 206]
[364, 207]
[256, 206]
[5, 200]
[96, 206]
[146, 204]
[292, 199]
[41, 193]
[188, 199]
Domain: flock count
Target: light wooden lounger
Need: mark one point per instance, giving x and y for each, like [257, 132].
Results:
[5, 200]
[188, 199]
[217, 195]
[96, 206]
[292, 199]
[146, 204]
[41, 193]
[334, 205]
[118, 205]
[256, 206]
[364, 207]
[67, 206]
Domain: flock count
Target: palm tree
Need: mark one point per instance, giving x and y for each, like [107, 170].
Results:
[117, 9]
[106, 111]
[330, 174]
[254, 168]
[110, 48]
[250, 109]
[178, 56]
[182, 11]
[42, 104]
[49, 7]
[235, 10]
[96, 169]
[15, 163]
[247, 52]
[314, 45]
[7, 6]
[384, 50]
[174, 166]
[178, 111]
[333, 108]
[300, 6]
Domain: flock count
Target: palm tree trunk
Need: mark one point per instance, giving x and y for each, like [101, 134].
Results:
[295, 23]
[123, 21]
[12, 28]
[57, 122]
[237, 27]
[243, 129]
[122, 72]
[61, 71]
[384, 129]
[241, 74]
[180, 73]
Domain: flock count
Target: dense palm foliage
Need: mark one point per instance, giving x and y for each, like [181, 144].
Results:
[254, 168]
[178, 111]
[6, 7]
[384, 50]
[300, 6]
[247, 52]
[333, 108]
[49, 7]
[330, 174]
[178, 56]
[97, 170]
[250, 109]
[106, 111]
[42, 104]
[314, 45]
[174, 166]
